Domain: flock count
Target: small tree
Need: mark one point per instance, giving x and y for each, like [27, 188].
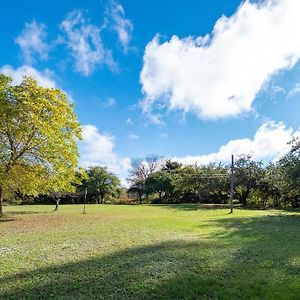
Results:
[38, 135]
[101, 184]
[249, 175]
[159, 182]
[137, 187]
[140, 170]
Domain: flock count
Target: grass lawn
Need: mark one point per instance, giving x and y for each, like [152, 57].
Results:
[148, 252]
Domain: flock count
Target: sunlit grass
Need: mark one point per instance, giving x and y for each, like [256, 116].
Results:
[149, 252]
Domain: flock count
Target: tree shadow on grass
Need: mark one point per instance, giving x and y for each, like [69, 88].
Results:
[195, 206]
[6, 219]
[238, 262]
[11, 215]
[27, 212]
[208, 206]
[262, 227]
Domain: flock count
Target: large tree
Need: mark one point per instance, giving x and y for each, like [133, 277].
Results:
[38, 135]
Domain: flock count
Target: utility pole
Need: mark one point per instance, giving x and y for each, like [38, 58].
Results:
[231, 184]
[85, 193]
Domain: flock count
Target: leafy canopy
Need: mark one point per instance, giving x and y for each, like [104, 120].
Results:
[38, 135]
[101, 184]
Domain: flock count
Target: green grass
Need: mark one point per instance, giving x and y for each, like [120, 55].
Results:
[148, 252]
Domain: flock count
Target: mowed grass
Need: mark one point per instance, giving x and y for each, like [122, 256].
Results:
[149, 252]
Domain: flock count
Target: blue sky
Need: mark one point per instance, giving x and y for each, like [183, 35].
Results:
[191, 80]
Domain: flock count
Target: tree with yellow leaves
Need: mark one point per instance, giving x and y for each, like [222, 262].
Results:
[38, 139]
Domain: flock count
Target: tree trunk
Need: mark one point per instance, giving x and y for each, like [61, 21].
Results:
[244, 197]
[243, 200]
[57, 204]
[276, 201]
[1, 201]
[295, 202]
[159, 194]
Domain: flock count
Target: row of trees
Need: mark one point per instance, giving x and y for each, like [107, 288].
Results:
[275, 184]
[165, 181]
[93, 185]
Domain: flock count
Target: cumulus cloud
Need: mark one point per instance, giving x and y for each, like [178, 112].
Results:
[44, 78]
[270, 142]
[219, 75]
[32, 41]
[98, 149]
[84, 41]
[121, 25]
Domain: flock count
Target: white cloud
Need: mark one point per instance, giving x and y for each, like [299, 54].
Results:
[109, 102]
[44, 78]
[98, 149]
[220, 75]
[278, 89]
[84, 41]
[133, 136]
[129, 121]
[122, 26]
[269, 143]
[294, 91]
[32, 41]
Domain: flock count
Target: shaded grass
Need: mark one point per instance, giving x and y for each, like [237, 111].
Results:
[149, 252]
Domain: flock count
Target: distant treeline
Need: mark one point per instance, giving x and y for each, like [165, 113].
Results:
[93, 185]
[273, 185]
[153, 180]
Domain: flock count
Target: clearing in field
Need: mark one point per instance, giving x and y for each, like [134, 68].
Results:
[149, 252]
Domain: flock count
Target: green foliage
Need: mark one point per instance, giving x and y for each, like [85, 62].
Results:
[176, 183]
[159, 182]
[203, 184]
[101, 184]
[274, 185]
[289, 169]
[171, 165]
[38, 136]
[248, 176]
